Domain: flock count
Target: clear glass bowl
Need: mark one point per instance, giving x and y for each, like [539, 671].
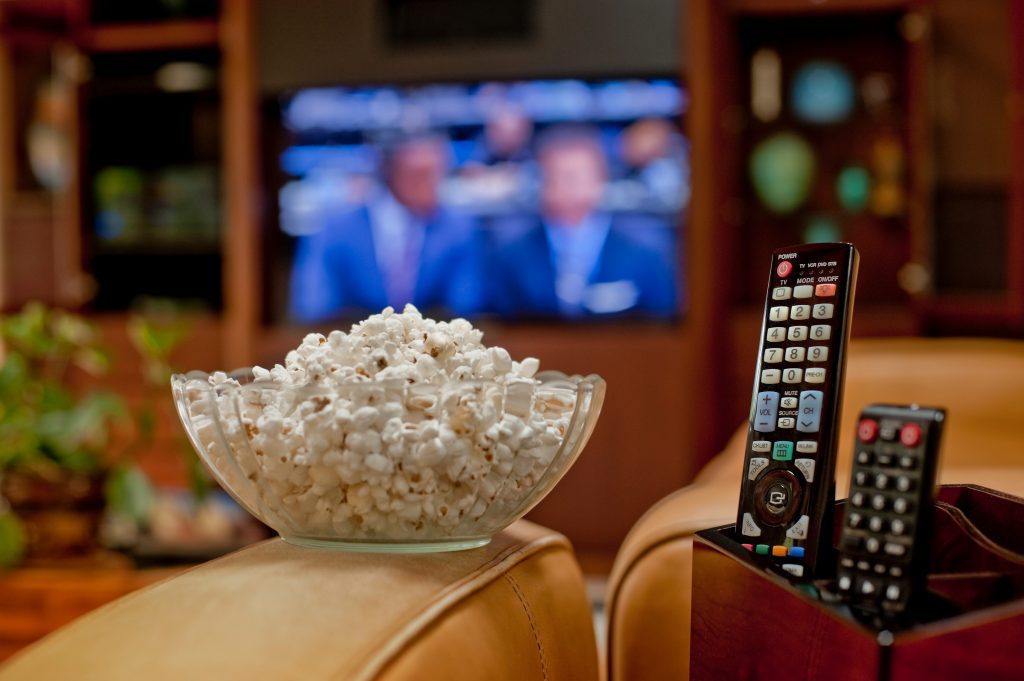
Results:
[369, 467]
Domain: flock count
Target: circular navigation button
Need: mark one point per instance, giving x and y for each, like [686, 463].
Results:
[777, 497]
[784, 268]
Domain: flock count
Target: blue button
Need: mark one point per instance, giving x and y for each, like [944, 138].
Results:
[782, 450]
[766, 408]
[808, 419]
[796, 551]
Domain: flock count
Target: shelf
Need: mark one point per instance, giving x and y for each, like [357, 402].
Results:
[169, 35]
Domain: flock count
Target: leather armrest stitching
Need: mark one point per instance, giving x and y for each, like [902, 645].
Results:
[533, 624]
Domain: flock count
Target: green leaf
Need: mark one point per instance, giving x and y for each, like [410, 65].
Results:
[130, 494]
[12, 540]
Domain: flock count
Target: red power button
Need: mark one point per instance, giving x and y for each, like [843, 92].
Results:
[784, 268]
[910, 435]
[867, 430]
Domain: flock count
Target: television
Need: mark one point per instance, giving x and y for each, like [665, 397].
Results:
[538, 199]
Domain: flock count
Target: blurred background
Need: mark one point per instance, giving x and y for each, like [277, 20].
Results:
[194, 184]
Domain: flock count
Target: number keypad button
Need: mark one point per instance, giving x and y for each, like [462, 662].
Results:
[773, 355]
[776, 334]
[779, 313]
[821, 332]
[817, 353]
[800, 312]
[795, 354]
[797, 333]
[823, 310]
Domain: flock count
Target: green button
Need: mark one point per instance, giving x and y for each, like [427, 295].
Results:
[782, 451]
[761, 549]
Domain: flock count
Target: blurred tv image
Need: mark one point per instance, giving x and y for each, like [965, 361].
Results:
[538, 199]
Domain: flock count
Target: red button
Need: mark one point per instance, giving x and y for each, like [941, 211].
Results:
[825, 290]
[910, 436]
[784, 268]
[748, 547]
[867, 431]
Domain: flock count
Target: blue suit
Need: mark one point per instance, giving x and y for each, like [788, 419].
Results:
[635, 272]
[335, 271]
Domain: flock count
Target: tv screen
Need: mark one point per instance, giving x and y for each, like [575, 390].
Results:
[535, 199]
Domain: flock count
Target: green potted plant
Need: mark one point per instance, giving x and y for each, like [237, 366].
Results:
[55, 454]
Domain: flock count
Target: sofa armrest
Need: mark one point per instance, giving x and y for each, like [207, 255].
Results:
[516, 609]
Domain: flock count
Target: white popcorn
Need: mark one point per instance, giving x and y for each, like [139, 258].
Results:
[402, 428]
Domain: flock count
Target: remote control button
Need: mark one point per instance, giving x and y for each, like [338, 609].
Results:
[793, 569]
[799, 528]
[875, 524]
[779, 314]
[867, 430]
[761, 549]
[806, 467]
[860, 478]
[879, 568]
[787, 422]
[814, 375]
[750, 528]
[779, 551]
[897, 526]
[773, 355]
[895, 549]
[765, 411]
[817, 353]
[823, 311]
[810, 406]
[887, 430]
[804, 291]
[904, 484]
[878, 502]
[784, 269]
[757, 464]
[777, 495]
[825, 290]
[910, 436]
[800, 312]
[863, 565]
[906, 461]
[857, 499]
[782, 293]
[795, 354]
[748, 547]
[901, 506]
[896, 571]
[797, 333]
[871, 545]
[796, 551]
[881, 481]
[845, 583]
[792, 375]
[821, 332]
[776, 334]
[770, 376]
[864, 457]
[760, 446]
[893, 592]
[854, 519]
[884, 458]
[776, 499]
[846, 562]
[782, 451]
[867, 587]
[789, 403]
[807, 447]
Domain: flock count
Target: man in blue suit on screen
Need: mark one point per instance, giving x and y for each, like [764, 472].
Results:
[575, 260]
[401, 247]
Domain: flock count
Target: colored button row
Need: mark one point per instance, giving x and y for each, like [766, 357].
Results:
[778, 551]
[803, 291]
[868, 431]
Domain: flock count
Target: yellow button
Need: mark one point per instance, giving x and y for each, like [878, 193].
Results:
[779, 550]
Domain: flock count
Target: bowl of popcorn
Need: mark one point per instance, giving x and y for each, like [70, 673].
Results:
[404, 434]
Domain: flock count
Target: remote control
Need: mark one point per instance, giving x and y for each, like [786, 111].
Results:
[788, 489]
[884, 544]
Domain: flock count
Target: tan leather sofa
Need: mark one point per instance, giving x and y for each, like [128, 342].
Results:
[515, 610]
[980, 382]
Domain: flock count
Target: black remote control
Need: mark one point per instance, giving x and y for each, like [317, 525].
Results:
[884, 544]
[788, 489]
